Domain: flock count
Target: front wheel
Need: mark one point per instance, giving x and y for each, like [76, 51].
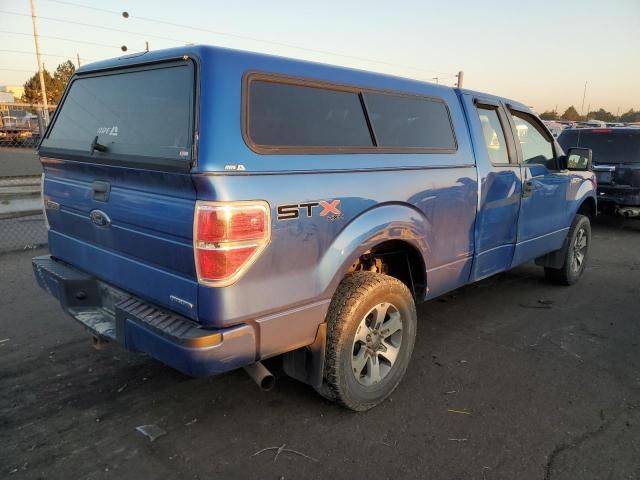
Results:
[575, 260]
[371, 330]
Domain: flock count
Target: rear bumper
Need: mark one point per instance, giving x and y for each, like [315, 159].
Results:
[115, 315]
[614, 197]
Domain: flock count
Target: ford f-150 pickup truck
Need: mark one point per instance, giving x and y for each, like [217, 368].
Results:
[214, 208]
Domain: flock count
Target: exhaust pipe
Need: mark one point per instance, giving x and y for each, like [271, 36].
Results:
[98, 342]
[629, 212]
[259, 374]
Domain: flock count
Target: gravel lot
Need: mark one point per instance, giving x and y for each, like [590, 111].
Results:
[549, 378]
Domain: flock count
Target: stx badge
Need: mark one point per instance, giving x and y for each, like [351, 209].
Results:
[295, 210]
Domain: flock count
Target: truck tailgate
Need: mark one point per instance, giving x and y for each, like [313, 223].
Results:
[117, 187]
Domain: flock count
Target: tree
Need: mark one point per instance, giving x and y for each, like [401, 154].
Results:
[602, 115]
[549, 115]
[54, 84]
[61, 77]
[631, 116]
[571, 114]
[32, 92]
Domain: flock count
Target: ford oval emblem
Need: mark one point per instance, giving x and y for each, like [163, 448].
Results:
[99, 218]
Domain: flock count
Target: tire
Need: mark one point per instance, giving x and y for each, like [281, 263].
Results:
[579, 238]
[371, 331]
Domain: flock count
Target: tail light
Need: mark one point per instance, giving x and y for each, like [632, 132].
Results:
[227, 238]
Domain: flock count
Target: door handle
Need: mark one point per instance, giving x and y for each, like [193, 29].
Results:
[101, 191]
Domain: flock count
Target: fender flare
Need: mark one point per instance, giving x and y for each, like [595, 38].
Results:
[372, 227]
[585, 191]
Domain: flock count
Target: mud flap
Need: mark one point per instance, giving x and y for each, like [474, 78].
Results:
[554, 259]
[306, 364]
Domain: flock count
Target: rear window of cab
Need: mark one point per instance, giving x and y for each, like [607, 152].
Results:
[285, 115]
[607, 145]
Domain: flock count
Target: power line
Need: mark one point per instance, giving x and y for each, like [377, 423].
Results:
[23, 52]
[244, 37]
[97, 9]
[62, 38]
[119, 30]
[11, 69]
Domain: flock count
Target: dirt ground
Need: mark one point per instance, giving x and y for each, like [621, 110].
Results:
[547, 378]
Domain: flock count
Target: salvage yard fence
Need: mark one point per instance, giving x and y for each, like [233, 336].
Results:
[22, 232]
[22, 224]
[21, 124]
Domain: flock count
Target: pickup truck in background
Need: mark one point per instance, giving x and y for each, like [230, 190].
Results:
[616, 163]
[214, 208]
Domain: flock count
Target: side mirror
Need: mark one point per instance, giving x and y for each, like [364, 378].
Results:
[579, 159]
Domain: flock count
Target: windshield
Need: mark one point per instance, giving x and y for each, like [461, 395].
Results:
[608, 146]
[135, 113]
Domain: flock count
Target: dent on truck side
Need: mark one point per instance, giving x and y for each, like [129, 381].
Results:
[583, 200]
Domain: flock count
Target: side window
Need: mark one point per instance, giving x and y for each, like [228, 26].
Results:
[536, 147]
[493, 133]
[410, 122]
[282, 114]
[286, 115]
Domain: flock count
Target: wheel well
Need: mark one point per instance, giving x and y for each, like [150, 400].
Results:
[397, 259]
[587, 207]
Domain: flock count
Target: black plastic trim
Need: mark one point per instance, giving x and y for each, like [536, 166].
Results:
[104, 309]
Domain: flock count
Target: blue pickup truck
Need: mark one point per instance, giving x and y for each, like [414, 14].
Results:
[214, 208]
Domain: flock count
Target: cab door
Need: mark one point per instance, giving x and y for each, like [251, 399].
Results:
[542, 224]
[500, 186]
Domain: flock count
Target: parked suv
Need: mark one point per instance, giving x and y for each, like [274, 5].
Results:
[616, 160]
[214, 208]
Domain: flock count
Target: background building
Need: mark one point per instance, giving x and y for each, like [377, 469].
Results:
[16, 91]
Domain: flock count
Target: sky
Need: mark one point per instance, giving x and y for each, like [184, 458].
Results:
[538, 52]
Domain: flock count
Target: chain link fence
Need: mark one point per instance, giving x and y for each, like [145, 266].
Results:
[24, 232]
[22, 224]
[21, 221]
[22, 124]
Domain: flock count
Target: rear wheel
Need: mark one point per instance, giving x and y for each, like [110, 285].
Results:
[576, 256]
[371, 330]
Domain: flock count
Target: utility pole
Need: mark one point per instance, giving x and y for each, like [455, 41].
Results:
[40, 72]
[78, 57]
[460, 78]
[146, 46]
[584, 95]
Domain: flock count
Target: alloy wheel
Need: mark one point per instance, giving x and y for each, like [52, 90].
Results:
[377, 343]
[579, 249]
